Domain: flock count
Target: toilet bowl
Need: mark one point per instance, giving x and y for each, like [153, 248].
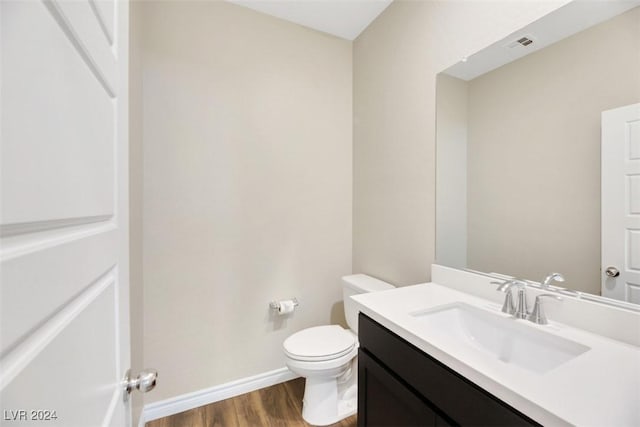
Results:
[326, 357]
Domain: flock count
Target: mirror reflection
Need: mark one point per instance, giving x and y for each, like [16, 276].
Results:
[520, 149]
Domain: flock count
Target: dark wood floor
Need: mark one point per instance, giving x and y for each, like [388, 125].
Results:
[278, 405]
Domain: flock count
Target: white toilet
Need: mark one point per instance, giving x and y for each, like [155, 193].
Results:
[326, 357]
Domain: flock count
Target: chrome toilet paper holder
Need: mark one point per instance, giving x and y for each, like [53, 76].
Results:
[275, 305]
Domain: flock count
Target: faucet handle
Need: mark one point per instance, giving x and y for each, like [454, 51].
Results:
[508, 307]
[537, 315]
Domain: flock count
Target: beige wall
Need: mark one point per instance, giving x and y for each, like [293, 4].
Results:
[534, 153]
[247, 188]
[451, 171]
[395, 62]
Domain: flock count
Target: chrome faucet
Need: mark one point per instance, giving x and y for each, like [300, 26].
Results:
[519, 309]
[553, 277]
[537, 314]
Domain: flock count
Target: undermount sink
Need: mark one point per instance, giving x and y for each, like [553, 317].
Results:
[504, 338]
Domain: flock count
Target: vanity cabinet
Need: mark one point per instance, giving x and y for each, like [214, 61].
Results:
[400, 385]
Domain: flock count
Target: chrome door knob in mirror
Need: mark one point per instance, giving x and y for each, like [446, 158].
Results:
[145, 381]
[612, 272]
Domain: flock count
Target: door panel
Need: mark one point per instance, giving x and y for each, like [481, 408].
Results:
[53, 282]
[83, 399]
[58, 125]
[64, 332]
[621, 202]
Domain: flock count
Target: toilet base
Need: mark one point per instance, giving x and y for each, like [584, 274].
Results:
[329, 400]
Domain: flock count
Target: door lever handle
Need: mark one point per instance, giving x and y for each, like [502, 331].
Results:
[612, 272]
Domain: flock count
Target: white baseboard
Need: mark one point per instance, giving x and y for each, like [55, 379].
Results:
[182, 403]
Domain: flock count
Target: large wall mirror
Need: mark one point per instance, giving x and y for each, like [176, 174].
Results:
[529, 167]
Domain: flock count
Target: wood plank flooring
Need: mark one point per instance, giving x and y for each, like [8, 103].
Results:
[276, 406]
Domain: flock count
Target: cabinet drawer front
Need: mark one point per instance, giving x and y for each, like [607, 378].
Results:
[462, 401]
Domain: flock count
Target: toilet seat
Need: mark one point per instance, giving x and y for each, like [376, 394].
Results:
[319, 343]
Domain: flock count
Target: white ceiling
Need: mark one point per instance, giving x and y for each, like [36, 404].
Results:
[342, 18]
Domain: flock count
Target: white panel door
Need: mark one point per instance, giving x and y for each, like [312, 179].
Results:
[621, 203]
[64, 334]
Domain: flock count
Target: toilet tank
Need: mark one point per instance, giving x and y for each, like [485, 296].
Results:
[358, 284]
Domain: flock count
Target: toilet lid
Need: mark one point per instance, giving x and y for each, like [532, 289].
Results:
[319, 343]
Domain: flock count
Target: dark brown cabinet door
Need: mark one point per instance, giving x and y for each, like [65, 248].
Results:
[386, 401]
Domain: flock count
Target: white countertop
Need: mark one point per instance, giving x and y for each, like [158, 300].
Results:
[600, 387]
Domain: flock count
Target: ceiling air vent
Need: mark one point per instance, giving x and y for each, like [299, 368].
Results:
[523, 41]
